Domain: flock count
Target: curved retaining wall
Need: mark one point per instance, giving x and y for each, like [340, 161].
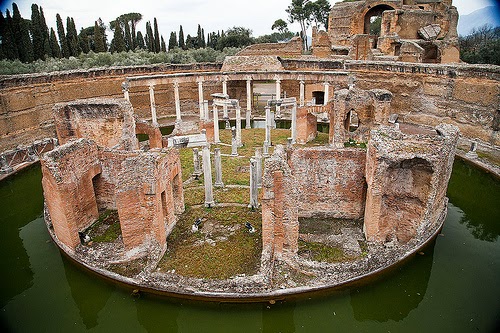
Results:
[467, 96]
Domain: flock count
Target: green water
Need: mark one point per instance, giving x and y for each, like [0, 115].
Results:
[454, 287]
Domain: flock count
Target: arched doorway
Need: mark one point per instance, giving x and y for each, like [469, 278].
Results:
[373, 22]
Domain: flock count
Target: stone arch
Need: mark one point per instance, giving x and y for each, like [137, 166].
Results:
[372, 11]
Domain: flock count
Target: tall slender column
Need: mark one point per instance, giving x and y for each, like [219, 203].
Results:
[154, 120]
[268, 125]
[249, 102]
[177, 102]
[196, 162]
[294, 123]
[327, 93]
[206, 116]
[218, 168]
[200, 97]
[234, 144]
[125, 90]
[302, 92]
[253, 184]
[258, 159]
[224, 91]
[216, 124]
[207, 177]
[278, 96]
[238, 126]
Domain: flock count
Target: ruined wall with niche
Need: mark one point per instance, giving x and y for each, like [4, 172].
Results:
[407, 174]
[330, 181]
[82, 178]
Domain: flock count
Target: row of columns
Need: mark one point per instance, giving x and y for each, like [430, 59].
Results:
[203, 104]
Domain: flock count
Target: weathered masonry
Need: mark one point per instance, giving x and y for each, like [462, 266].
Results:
[98, 167]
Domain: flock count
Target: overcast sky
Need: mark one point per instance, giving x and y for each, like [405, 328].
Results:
[257, 15]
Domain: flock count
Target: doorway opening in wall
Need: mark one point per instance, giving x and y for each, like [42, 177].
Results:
[351, 121]
[431, 54]
[164, 204]
[318, 97]
[373, 22]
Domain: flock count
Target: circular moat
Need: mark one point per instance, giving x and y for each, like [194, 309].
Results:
[450, 286]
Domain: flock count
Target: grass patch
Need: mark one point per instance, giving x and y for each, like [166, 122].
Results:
[130, 268]
[320, 252]
[220, 249]
[106, 229]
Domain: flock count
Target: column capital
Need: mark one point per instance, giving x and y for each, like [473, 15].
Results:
[176, 84]
[326, 83]
[151, 86]
[301, 77]
[277, 78]
[200, 79]
[125, 86]
[248, 77]
[225, 78]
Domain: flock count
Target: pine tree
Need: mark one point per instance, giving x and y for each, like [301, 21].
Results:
[99, 45]
[45, 33]
[54, 46]
[36, 33]
[156, 37]
[140, 41]
[172, 42]
[128, 38]
[118, 42]
[182, 45]
[149, 37]
[62, 37]
[21, 35]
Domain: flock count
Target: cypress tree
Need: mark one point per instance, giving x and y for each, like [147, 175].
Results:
[128, 37]
[203, 43]
[133, 37]
[156, 37]
[140, 41]
[182, 45]
[54, 46]
[9, 47]
[149, 37]
[62, 37]
[36, 33]
[163, 45]
[21, 34]
[118, 42]
[72, 37]
[47, 49]
[83, 41]
[199, 42]
[99, 45]
[172, 41]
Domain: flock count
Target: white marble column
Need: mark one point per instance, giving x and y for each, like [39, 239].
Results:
[205, 111]
[216, 124]
[249, 103]
[207, 177]
[327, 93]
[177, 102]
[154, 120]
[200, 97]
[253, 184]
[196, 162]
[302, 92]
[278, 96]
[218, 168]
[125, 90]
[238, 126]
[258, 159]
[224, 91]
[268, 125]
[294, 123]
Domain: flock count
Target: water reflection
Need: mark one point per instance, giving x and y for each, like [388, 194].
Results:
[278, 318]
[20, 202]
[89, 293]
[157, 315]
[478, 196]
[397, 295]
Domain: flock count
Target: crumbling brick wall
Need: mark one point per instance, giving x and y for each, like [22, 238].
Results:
[407, 176]
[307, 125]
[330, 181]
[293, 48]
